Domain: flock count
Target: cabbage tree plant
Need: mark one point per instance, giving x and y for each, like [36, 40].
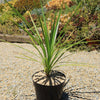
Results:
[52, 48]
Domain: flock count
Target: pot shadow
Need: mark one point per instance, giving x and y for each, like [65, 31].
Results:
[72, 93]
[65, 96]
[68, 95]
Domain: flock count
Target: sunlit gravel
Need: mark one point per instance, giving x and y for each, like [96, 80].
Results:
[81, 68]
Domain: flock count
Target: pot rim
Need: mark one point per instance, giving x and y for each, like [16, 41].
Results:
[48, 85]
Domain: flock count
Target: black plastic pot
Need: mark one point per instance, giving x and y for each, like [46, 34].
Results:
[49, 92]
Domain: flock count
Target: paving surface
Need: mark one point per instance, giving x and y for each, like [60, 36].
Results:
[15, 74]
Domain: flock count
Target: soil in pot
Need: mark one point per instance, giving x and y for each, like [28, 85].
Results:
[49, 87]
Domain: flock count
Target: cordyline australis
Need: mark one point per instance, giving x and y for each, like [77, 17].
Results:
[52, 50]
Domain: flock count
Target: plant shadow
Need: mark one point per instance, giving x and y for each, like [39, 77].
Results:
[55, 78]
[77, 94]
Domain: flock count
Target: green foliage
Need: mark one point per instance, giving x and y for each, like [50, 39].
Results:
[23, 5]
[6, 16]
[10, 28]
[7, 13]
[1, 7]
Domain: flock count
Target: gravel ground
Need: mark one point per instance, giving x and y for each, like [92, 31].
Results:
[15, 74]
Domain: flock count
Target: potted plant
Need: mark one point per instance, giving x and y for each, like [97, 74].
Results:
[49, 83]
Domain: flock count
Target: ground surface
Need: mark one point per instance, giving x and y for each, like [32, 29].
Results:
[15, 74]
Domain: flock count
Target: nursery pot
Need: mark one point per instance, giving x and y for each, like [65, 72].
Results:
[50, 91]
